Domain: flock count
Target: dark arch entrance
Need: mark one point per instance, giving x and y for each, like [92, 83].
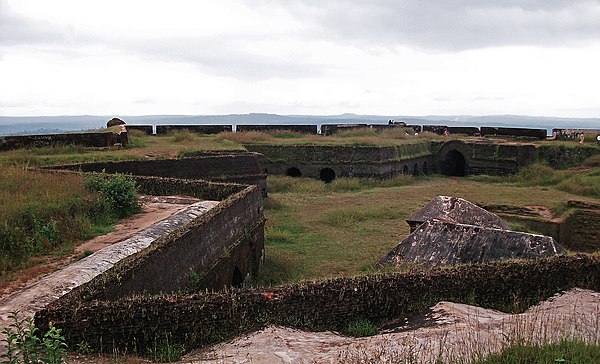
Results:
[405, 170]
[327, 175]
[294, 172]
[238, 279]
[416, 170]
[425, 168]
[454, 164]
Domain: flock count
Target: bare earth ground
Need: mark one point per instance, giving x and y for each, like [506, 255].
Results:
[448, 332]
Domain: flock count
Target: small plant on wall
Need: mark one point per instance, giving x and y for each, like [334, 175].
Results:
[24, 344]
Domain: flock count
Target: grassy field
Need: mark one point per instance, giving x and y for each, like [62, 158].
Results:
[43, 213]
[39, 214]
[317, 230]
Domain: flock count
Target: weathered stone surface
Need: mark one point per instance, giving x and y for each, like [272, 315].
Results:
[114, 122]
[437, 242]
[456, 210]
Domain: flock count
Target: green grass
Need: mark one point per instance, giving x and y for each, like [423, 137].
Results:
[583, 181]
[565, 351]
[316, 230]
[43, 213]
[354, 136]
[360, 328]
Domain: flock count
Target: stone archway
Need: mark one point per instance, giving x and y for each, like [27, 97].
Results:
[425, 168]
[454, 164]
[416, 169]
[454, 158]
[327, 175]
[237, 280]
[405, 170]
[293, 172]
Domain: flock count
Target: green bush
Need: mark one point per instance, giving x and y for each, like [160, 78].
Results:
[118, 190]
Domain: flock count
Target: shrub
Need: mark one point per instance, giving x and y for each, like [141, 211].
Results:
[23, 343]
[118, 190]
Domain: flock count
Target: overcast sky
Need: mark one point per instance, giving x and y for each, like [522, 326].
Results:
[404, 57]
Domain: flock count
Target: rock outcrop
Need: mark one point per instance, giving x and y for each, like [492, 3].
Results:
[451, 230]
[438, 242]
[455, 210]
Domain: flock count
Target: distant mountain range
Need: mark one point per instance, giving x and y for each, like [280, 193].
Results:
[57, 124]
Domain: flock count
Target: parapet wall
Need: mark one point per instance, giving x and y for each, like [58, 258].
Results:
[238, 166]
[92, 139]
[561, 156]
[515, 132]
[200, 129]
[297, 128]
[188, 257]
[204, 318]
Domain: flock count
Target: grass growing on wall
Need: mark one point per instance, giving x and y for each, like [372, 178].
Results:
[316, 230]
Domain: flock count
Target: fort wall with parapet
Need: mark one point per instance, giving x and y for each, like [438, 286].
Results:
[136, 323]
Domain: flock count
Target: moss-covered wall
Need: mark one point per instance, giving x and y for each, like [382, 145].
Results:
[92, 139]
[346, 161]
[561, 156]
[485, 157]
[238, 167]
[584, 228]
[139, 322]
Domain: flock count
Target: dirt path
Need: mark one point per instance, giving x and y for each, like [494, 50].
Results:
[448, 331]
[158, 217]
[153, 209]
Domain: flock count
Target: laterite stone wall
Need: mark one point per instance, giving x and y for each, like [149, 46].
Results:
[136, 323]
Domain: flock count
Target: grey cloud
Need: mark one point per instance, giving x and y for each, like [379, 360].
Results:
[228, 55]
[452, 24]
[17, 30]
[222, 55]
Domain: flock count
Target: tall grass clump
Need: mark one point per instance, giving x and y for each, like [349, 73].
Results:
[179, 136]
[565, 351]
[539, 174]
[43, 213]
[137, 139]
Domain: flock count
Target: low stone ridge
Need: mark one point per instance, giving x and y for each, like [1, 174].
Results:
[455, 210]
[437, 242]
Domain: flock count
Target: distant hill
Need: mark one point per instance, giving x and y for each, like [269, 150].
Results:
[56, 124]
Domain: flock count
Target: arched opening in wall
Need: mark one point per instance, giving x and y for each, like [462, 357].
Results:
[454, 164]
[425, 168]
[238, 279]
[327, 175]
[294, 172]
[416, 170]
[405, 170]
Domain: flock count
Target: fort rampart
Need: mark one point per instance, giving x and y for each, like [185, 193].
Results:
[135, 323]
